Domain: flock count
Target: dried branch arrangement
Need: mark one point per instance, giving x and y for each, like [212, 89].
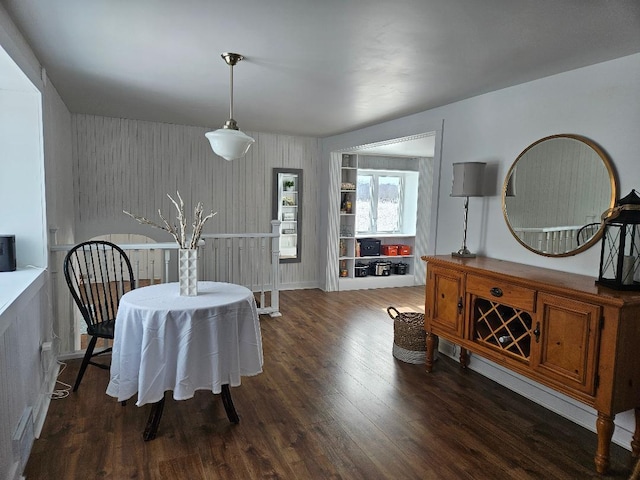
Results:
[180, 232]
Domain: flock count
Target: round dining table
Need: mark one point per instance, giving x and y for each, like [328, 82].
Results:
[168, 342]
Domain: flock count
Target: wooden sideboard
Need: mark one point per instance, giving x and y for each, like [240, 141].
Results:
[559, 329]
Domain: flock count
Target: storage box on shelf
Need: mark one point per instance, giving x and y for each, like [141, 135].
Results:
[389, 250]
[369, 247]
[404, 250]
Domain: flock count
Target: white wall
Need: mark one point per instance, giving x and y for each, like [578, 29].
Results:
[59, 178]
[600, 102]
[58, 165]
[22, 206]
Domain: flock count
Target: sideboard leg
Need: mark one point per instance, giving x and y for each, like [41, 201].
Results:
[464, 358]
[432, 342]
[604, 427]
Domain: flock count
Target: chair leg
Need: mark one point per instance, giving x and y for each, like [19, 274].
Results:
[85, 361]
[232, 415]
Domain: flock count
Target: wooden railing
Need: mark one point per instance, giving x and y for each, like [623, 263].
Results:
[552, 240]
[248, 259]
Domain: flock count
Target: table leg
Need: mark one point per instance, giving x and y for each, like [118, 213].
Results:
[604, 427]
[154, 420]
[232, 415]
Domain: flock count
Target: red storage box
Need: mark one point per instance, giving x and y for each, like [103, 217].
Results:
[390, 250]
[404, 250]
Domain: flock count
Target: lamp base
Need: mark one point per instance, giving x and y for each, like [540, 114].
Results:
[463, 253]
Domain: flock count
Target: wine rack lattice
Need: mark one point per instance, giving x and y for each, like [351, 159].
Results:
[503, 327]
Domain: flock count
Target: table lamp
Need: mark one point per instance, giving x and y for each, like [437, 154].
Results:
[468, 181]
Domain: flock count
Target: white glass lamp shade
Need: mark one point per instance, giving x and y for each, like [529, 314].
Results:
[468, 179]
[229, 144]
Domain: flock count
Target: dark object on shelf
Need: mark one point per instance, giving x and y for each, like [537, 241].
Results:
[7, 253]
[409, 337]
[346, 205]
[400, 268]
[620, 251]
[369, 247]
[380, 268]
[361, 270]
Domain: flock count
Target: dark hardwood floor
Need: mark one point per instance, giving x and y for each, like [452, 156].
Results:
[332, 403]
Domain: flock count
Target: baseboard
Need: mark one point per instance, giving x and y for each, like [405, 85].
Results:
[564, 406]
[374, 282]
[44, 399]
[299, 286]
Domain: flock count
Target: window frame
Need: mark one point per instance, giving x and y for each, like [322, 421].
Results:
[374, 199]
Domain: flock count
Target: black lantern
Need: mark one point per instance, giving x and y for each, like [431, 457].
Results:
[620, 255]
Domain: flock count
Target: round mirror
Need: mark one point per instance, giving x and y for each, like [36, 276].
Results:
[555, 192]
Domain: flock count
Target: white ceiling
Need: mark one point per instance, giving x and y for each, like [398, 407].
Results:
[312, 67]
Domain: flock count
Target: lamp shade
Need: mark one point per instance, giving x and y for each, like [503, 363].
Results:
[229, 144]
[468, 179]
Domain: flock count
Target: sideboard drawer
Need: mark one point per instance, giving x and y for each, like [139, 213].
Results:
[502, 292]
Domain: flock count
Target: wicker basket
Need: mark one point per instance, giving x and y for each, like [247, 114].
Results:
[409, 337]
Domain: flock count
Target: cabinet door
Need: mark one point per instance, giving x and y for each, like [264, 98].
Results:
[444, 307]
[567, 337]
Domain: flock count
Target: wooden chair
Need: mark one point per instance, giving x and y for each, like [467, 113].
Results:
[98, 273]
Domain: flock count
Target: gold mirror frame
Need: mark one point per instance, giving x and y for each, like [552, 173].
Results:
[510, 186]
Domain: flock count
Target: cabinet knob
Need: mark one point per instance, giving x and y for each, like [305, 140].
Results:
[536, 332]
[496, 292]
[460, 305]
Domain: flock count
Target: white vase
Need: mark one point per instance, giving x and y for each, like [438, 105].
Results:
[188, 271]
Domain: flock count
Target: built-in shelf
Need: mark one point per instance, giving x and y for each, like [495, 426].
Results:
[348, 260]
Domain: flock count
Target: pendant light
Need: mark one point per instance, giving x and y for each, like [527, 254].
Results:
[229, 142]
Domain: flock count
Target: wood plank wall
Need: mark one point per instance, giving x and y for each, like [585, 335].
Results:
[132, 165]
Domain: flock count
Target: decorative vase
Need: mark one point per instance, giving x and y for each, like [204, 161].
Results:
[188, 271]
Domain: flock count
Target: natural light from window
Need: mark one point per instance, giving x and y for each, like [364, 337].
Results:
[381, 199]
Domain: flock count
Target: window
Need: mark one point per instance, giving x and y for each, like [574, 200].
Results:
[381, 199]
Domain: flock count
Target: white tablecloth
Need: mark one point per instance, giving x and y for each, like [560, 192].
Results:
[164, 341]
